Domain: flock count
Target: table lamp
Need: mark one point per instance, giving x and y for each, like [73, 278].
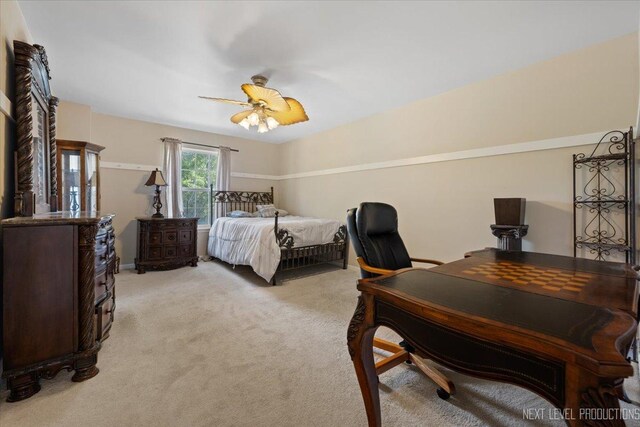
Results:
[156, 179]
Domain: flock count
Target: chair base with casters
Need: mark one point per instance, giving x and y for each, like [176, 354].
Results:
[403, 352]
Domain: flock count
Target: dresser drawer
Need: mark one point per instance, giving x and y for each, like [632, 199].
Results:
[170, 237]
[101, 285]
[111, 270]
[102, 240]
[104, 317]
[154, 252]
[102, 254]
[155, 237]
[170, 251]
[186, 250]
[185, 236]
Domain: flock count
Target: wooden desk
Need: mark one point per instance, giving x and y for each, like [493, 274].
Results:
[558, 326]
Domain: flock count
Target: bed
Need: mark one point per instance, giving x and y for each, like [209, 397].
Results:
[272, 245]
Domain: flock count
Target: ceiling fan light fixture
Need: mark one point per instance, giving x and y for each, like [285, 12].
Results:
[268, 109]
[245, 123]
[253, 119]
[272, 123]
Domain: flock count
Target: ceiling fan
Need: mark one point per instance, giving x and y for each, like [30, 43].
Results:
[268, 109]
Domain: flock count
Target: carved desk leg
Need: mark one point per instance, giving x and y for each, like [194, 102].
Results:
[592, 401]
[360, 343]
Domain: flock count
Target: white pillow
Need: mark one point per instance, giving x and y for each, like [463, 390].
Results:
[266, 211]
[240, 214]
[282, 212]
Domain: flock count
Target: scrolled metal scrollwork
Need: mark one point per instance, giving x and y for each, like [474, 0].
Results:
[285, 241]
[340, 235]
[600, 193]
[243, 197]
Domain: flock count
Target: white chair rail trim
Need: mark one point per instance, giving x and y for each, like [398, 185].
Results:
[496, 150]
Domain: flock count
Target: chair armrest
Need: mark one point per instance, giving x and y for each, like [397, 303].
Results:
[366, 267]
[427, 261]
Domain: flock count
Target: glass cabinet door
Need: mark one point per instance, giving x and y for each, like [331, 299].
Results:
[70, 180]
[92, 181]
[78, 176]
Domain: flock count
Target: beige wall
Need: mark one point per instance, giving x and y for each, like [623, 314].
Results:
[445, 208]
[137, 142]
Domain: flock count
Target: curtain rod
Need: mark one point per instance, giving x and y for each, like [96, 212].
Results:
[204, 145]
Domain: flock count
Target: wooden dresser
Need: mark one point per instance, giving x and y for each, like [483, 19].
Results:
[58, 296]
[166, 243]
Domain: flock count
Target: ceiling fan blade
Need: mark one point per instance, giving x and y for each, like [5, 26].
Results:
[238, 117]
[296, 114]
[228, 101]
[270, 97]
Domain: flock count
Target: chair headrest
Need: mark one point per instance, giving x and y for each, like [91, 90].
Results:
[353, 232]
[376, 218]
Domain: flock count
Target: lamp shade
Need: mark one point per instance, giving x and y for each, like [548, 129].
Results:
[156, 178]
[72, 178]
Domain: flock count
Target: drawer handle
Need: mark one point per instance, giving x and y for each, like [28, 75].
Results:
[103, 257]
[103, 284]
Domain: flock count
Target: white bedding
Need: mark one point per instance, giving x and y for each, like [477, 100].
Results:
[251, 241]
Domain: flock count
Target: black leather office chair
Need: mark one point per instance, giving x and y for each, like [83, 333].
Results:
[373, 231]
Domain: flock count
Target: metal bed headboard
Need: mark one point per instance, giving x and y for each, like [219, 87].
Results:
[223, 202]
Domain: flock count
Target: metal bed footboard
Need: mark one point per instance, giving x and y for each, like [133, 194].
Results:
[291, 257]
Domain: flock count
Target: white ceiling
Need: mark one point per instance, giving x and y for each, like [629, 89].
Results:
[342, 60]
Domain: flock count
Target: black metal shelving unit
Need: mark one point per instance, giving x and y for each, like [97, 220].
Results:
[604, 186]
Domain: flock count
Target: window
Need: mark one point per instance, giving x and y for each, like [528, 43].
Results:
[198, 175]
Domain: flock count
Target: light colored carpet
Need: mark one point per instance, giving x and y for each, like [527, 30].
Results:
[210, 346]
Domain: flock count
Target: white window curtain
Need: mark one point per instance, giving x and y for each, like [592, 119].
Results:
[173, 175]
[223, 174]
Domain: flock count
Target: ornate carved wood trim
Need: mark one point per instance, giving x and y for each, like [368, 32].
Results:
[32, 75]
[354, 326]
[24, 146]
[86, 284]
[603, 396]
[53, 107]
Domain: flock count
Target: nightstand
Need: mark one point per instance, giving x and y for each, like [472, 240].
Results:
[166, 243]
